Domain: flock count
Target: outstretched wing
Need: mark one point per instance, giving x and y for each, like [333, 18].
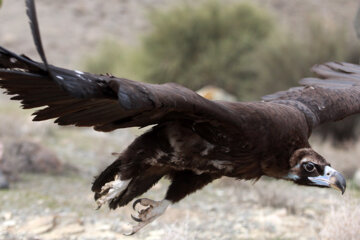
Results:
[102, 101]
[107, 103]
[334, 95]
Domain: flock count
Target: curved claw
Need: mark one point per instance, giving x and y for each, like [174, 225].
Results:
[129, 234]
[136, 219]
[137, 201]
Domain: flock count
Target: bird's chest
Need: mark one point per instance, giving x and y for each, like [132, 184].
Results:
[246, 158]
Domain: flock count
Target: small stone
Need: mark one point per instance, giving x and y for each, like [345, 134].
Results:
[39, 225]
[215, 93]
[69, 230]
[102, 227]
[6, 216]
[4, 184]
[310, 213]
[9, 223]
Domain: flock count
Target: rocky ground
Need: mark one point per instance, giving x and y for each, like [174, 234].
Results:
[47, 207]
[43, 206]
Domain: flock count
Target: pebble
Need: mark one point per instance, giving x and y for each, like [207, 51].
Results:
[38, 225]
[4, 184]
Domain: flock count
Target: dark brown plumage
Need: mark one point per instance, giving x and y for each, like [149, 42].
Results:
[195, 140]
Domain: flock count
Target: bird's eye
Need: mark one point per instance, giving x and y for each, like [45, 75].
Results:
[309, 166]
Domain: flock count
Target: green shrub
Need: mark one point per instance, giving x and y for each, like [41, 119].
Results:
[209, 43]
[288, 57]
[115, 58]
[205, 44]
[233, 46]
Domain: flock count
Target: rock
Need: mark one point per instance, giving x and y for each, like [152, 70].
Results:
[215, 93]
[26, 156]
[6, 216]
[39, 225]
[310, 213]
[357, 178]
[4, 183]
[9, 223]
[68, 230]
[1, 150]
[91, 232]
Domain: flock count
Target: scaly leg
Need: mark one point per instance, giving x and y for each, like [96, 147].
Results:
[154, 210]
[183, 183]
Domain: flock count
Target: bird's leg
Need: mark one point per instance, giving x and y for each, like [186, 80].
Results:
[145, 216]
[183, 183]
[112, 190]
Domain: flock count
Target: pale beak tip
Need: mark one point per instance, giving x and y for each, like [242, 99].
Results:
[339, 182]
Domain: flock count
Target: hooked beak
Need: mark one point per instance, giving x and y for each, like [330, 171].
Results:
[330, 178]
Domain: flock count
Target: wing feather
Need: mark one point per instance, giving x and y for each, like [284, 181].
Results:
[104, 102]
[334, 95]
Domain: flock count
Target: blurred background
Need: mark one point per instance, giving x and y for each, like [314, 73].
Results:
[226, 49]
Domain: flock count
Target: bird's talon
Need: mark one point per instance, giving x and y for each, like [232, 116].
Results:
[136, 219]
[129, 234]
[152, 211]
[136, 203]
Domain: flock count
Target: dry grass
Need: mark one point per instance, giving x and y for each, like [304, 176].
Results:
[344, 157]
[276, 194]
[342, 221]
[178, 231]
[264, 210]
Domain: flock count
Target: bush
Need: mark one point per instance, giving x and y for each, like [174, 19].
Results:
[206, 44]
[195, 46]
[115, 58]
[232, 46]
[288, 57]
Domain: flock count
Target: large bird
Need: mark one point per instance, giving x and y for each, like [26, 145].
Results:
[194, 140]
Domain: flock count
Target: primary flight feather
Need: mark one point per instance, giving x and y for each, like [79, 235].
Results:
[194, 140]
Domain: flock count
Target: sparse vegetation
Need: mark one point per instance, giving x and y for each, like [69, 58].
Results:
[342, 222]
[288, 57]
[266, 209]
[235, 46]
[209, 44]
[117, 59]
[195, 46]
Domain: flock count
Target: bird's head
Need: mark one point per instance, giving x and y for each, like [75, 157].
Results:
[309, 168]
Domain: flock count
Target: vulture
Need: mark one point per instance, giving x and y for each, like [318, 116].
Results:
[194, 140]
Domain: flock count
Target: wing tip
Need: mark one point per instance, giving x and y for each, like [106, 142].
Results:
[34, 26]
